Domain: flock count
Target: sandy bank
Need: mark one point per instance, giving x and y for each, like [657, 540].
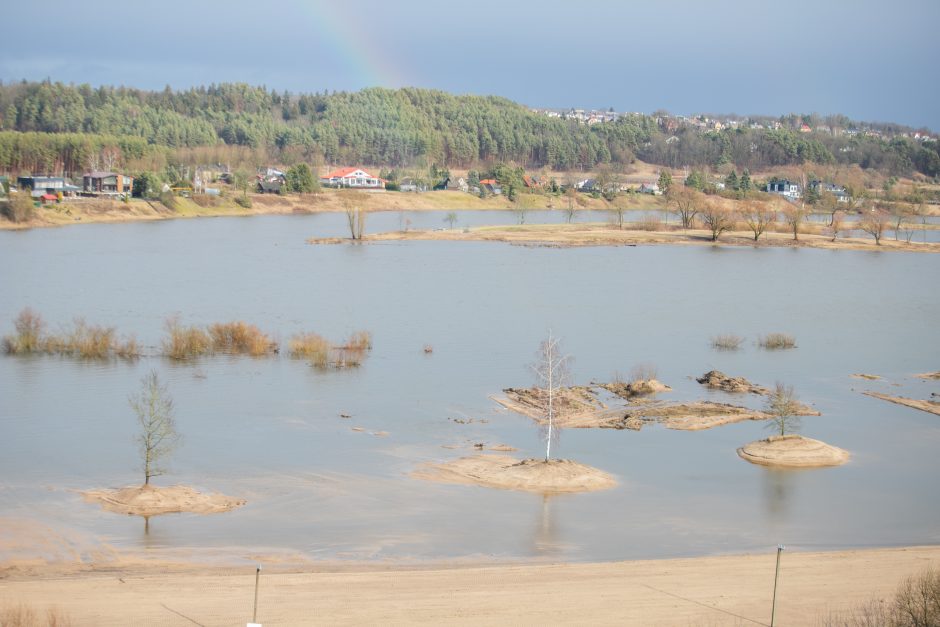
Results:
[723, 590]
[928, 375]
[793, 451]
[507, 473]
[575, 235]
[717, 380]
[153, 501]
[932, 407]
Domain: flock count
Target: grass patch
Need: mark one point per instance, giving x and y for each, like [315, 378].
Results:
[777, 341]
[23, 615]
[184, 342]
[83, 340]
[240, 338]
[727, 342]
[324, 354]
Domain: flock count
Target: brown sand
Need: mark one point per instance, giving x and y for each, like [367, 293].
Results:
[869, 377]
[793, 451]
[732, 590]
[932, 407]
[507, 473]
[152, 501]
[929, 375]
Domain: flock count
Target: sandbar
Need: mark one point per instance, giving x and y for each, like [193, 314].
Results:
[793, 451]
[150, 500]
[932, 407]
[508, 473]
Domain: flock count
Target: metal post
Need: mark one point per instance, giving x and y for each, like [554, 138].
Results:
[254, 613]
[773, 606]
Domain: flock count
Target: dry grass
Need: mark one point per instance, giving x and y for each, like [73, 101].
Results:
[648, 223]
[727, 342]
[185, 342]
[777, 341]
[311, 346]
[22, 615]
[29, 327]
[83, 340]
[323, 354]
[240, 338]
[643, 372]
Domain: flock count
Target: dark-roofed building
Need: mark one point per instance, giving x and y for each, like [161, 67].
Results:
[47, 185]
[107, 183]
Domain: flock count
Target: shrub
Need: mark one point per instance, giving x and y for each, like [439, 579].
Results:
[128, 349]
[777, 341]
[642, 372]
[168, 200]
[727, 342]
[19, 207]
[916, 603]
[243, 201]
[311, 346]
[89, 341]
[240, 338]
[184, 342]
[23, 615]
[649, 223]
[360, 340]
[29, 329]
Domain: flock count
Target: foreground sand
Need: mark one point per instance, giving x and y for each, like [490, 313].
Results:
[528, 475]
[152, 501]
[728, 590]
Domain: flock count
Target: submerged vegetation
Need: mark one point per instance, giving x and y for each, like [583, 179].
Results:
[777, 341]
[324, 354]
[727, 342]
[82, 340]
[181, 342]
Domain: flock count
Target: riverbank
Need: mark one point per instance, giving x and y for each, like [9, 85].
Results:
[722, 590]
[576, 235]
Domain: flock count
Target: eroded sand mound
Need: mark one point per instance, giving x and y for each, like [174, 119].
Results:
[633, 389]
[793, 451]
[718, 380]
[153, 501]
[507, 473]
[929, 375]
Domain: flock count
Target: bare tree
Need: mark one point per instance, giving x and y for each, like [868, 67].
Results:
[355, 216]
[617, 210]
[451, 219]
[158, 437]
[552, 371]
[571, 195]
[794, 215]
[836, 224]
[783, 406]
[685, 202]
[717, 218]
[874, 222]
[758, 216]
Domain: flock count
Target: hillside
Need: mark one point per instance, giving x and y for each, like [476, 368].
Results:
[56, 128]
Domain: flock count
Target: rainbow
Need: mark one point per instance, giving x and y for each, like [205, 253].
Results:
[362, 61]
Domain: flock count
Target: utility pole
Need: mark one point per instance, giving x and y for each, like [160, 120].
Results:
[254, 613]
[773, 606]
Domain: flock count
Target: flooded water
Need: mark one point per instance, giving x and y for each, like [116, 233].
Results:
[269, 430]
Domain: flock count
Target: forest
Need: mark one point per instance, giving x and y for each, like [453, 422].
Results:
[56, 128]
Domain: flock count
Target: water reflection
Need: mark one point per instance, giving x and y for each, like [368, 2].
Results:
[546, 538]
[778, 488]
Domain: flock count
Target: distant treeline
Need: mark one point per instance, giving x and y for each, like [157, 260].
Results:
[52, 127]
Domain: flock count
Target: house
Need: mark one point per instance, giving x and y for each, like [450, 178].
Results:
[650, 188]
[785, 188]
[532, 182]
[47, 185]
[491, 186]
[587, 186]
[409, 184]
[355, 178]
[270, 185]
[456, 183]
[836, 190]
[804, 128]
[107, 183]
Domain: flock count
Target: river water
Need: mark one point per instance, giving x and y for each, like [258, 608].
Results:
[269, 430]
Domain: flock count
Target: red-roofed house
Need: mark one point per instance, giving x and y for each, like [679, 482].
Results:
[356, 178]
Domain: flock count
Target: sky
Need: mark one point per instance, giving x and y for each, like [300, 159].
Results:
[872, 61]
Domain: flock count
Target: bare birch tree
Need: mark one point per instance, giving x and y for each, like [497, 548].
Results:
[158, 437]
[552, 371]
[355, 216]
[783, 407]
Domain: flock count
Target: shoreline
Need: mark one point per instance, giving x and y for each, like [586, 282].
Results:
[723, 589]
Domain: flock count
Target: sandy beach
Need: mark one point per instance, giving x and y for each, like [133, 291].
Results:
[724, 590]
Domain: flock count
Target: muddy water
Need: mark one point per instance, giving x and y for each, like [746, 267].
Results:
[270, 430]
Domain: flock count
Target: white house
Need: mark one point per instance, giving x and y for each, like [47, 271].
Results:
[355, 178]
[786, 189]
